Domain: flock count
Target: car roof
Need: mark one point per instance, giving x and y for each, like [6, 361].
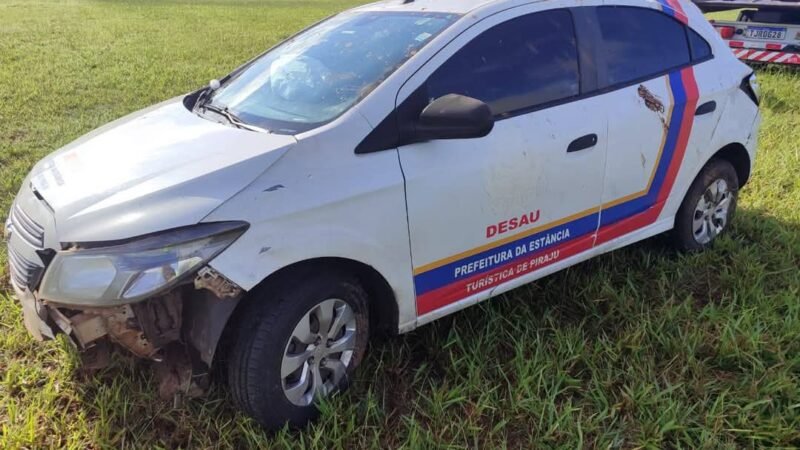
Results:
[447, 6]
[458, 6]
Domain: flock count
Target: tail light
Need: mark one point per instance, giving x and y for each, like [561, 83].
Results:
[751, 88]
[726, 32]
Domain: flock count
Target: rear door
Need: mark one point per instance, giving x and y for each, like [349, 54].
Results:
[488, 213]
[652, 89]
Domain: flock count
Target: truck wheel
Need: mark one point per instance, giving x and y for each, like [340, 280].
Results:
[296, 344]
[708, 208]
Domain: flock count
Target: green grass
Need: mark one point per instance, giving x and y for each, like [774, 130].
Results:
[640, 348]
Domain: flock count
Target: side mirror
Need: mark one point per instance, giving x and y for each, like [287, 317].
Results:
[454, 116]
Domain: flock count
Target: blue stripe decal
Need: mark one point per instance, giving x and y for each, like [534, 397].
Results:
[446, 274]
[489, 259]
[637, 205]
[667, 8]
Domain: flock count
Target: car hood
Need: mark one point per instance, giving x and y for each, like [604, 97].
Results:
[160, 168]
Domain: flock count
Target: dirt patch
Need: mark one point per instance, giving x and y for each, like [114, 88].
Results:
[652, 102]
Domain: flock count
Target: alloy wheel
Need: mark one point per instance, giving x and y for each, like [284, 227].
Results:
[319, 352]
[711, 212]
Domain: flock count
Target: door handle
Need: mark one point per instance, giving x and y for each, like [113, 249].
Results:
[706, 108]
[582, 143]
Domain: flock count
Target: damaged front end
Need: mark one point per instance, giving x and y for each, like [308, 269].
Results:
[178, 330]
[153, 295]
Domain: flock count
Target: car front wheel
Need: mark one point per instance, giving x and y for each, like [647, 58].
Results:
[296, 345]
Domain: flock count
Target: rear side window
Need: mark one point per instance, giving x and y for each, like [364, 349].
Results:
[528, 61]
[640, 42]
[699, 47]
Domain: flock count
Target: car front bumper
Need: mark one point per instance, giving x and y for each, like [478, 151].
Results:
[34, 314]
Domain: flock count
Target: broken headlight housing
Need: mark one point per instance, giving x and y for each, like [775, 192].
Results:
[117, 273]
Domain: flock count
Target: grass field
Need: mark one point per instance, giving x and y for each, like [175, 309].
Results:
[640, 348]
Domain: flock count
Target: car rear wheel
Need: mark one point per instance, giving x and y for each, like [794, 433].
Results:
[296, 345]
[708, 208]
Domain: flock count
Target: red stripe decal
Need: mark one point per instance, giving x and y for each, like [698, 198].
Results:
[433, 300]
[486, 281]
[679, 13]
[690, 85]
[649, 216]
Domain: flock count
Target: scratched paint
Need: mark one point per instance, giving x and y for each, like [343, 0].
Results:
[651, 100]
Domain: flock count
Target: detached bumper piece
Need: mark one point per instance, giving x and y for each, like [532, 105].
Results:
[150, 330]
[143, 328]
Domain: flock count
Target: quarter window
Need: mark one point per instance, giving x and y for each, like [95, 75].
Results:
[700, 48]
[639, 42]
[518, 65]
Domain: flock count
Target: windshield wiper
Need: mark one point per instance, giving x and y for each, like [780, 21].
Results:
[227, 114]
[231, 117]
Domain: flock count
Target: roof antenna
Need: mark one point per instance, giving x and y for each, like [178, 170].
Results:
[405, 2]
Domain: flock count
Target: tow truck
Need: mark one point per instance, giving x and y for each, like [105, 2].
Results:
[764, 32]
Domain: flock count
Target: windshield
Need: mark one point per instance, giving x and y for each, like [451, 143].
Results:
[316, 76]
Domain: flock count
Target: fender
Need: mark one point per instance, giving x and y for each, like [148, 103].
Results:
[734, 128]
[321, 200]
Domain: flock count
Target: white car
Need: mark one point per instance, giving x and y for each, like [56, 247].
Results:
[388, 166]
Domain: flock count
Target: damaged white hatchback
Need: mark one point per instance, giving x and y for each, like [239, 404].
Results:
[386, 167]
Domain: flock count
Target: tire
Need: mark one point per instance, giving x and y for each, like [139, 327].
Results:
[271, 338]
[706, 212]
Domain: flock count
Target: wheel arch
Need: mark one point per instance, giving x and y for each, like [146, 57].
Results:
[736, 154]
[383, 306]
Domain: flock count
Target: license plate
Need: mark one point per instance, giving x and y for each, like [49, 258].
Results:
[768, 33]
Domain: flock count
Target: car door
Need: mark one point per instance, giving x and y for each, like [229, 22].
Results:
[647, 72]
[487, 214]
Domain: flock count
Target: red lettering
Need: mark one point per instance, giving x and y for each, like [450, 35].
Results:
[502, 227]
[512, 223]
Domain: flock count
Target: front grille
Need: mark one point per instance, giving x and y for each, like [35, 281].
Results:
[25, 232]
[27, 229]
[24, 273]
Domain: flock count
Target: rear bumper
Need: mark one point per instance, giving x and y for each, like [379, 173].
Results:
[779, 49]
[766, 56]
[752, 140]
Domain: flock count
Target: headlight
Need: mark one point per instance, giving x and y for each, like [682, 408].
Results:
[131, 271]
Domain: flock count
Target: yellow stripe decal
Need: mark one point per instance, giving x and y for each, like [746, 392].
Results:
[635, 195]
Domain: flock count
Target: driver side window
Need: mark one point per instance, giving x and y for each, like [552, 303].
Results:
[516, 66]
